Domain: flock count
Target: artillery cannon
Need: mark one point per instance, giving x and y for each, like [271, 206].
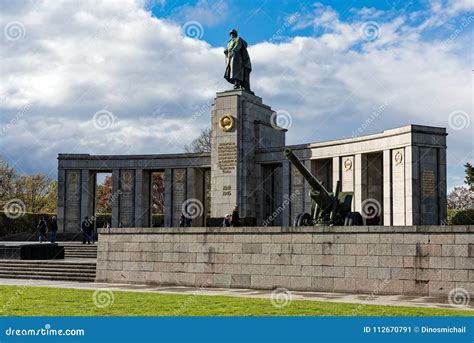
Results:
[327, 208]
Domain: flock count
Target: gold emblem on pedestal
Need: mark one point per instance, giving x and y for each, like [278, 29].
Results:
[226, 122]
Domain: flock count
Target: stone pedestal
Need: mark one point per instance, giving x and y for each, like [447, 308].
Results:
[241, 125]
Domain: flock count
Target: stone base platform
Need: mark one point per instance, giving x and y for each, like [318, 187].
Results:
[30, 251]
[397, 260]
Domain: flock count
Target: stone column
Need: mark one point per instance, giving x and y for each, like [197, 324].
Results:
[442, 186]
[297, 192]
[359, 182]
[115, 197]
[387, 187]
[142, 198]
[61, 204]
[412, 185]
[307, 188]
[336, 171]
[347, 175]
[286, 188]
[195, 194]
[168, 197]
[87, 193]
[127, 197]
[398, 186]
[72, 211]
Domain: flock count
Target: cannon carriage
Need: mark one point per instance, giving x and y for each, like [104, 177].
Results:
[327, 208]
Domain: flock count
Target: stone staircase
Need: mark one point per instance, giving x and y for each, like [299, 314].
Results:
[79, 250]
[60, 270]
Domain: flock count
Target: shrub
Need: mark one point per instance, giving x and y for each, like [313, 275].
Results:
[23, 224]
[462, 217]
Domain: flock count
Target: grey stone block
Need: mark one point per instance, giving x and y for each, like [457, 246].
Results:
[455, 250]
[252, 248]
[355, 249]
[269, 282]
[464, 262]
[379, 249]
[454, 275]
[312, 249]
[440, 288]
[260, 258]
[403, 249]
[240, 281]
[344, 285]
[322, 284]
[355, 272]
[441, 238]
[300, 283]
[367, 261]
[271, 248]
[241, 258]
[368, 238]
[442, 262]
[378, 273]
[412, 287]
[333, 271]
[299, 260]
[390, 261]
[221, 280]
[344, 260]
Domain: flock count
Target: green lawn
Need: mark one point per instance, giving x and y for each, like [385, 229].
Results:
[43, 301]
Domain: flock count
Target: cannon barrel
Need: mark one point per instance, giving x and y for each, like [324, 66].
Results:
[324, 199]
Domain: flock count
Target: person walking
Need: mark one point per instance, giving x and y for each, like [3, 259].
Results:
[86, 230]
[53, 228]
[182, 220]
[226, 221]
[41, 227]
[235, 216]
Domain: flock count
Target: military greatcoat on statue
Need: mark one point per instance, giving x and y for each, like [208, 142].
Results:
[238, 62]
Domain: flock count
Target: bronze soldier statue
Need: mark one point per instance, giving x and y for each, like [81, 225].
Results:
[238, 67]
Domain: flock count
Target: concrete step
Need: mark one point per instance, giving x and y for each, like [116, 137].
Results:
[79, 250]
[48, 270]
[80, 256]
[50, 277]
[64, 263]
[52, 268]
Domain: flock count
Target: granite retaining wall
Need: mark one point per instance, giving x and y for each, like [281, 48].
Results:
[410, 260]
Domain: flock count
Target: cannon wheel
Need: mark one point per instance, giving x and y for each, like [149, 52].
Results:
[303, 219]
[353, 219]
[297, 219]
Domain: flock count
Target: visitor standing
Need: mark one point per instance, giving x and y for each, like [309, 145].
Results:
[41, 227]
[235, 216]
[86, 231]
[53, 228]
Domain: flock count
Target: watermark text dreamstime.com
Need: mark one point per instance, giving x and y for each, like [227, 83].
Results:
[44, 331]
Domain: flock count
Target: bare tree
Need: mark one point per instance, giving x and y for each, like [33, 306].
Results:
[459, 198]
[201, 143]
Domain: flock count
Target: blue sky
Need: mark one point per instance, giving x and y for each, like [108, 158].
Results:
[147, 66]
[259, 20]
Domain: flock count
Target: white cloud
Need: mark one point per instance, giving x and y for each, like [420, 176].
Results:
[206, 12]
[78, 58]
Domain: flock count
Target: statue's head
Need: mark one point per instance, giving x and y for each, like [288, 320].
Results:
[233, 33]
